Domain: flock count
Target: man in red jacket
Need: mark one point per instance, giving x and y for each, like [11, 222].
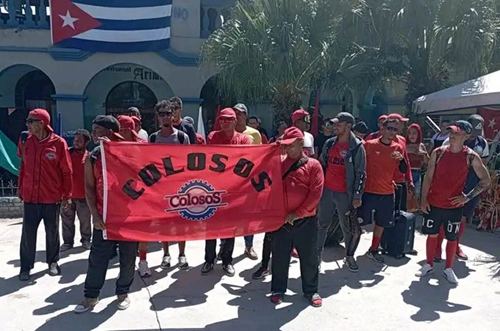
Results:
[78, 206]
[44, 183]
[303, 186]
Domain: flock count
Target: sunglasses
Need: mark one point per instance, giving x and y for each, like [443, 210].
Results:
[306, 118]
[164, 113]
[392, 129]
[32, 120]
[226, 120]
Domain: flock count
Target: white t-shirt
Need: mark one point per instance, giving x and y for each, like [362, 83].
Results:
[308, 144]
[440, 138]
[143, 134]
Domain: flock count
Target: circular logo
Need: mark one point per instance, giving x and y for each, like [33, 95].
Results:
[196, 200]
[343, 153]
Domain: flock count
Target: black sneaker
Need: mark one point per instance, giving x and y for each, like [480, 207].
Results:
[207, 268]
[228, 269]
[375, 256]
[351, 264]
[24, 276]
[260, 273]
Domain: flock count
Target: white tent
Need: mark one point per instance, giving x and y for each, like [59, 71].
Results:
[478, 92]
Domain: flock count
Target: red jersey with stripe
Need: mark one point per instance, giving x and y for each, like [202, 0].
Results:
[335, 169]
[450, 175]
[380, 166]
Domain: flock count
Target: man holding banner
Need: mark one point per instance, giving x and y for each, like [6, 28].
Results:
[104, 127]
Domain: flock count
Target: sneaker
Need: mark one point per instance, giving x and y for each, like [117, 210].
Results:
[315, 300]
[250, 253]
[260, 273]
[351, 264]
[183, 263]
[165, 262]
[24, 276]
[65, 247]
[450, 276]
[86, 305]
[54, 269]
[425, 270]
[294, 253]
[207, 268]
[123, 302]
[144, 270]
[228, 269]
[276, 298]
[375, 256]
[87, 245]
[461, 255]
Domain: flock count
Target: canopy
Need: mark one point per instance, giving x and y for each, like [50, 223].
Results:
[482, 91]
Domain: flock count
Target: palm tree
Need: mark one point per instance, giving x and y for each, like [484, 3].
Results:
[279, 50]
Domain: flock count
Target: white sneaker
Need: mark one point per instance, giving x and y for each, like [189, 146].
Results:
[165, 262]
[450, 276]
[425, 270]
[144, 270]
[183, 263]
[123, 302]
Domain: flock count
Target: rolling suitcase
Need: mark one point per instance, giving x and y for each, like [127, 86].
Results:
[398, 241]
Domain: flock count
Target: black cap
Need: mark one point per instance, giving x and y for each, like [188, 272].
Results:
[108, 122]
[461, 126]
[344, 117]
[477, 122]
[361, 127]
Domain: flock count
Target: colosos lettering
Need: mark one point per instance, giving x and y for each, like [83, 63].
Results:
[150, 174]
[185, 200]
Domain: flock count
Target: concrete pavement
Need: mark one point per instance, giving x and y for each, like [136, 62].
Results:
[379, 297]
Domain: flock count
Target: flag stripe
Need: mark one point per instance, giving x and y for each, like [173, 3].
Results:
[120, 13]
[138, 25]
[102, 46]
[126, 3]
[113, 36]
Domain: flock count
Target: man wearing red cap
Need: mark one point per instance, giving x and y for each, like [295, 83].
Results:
[168, 134]
[227, 135]
[303, 185]
[45, 185]
[104, 128]
[301, 119]
[377, 134]
[127, 129]
[443, 198]
[136, 116]
[78, 154]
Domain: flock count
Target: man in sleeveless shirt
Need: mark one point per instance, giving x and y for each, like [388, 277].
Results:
[104, 128]
[442, 195]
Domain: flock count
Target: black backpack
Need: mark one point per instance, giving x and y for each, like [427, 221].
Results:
[180, 137]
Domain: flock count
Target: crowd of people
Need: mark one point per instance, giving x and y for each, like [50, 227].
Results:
[361, 177]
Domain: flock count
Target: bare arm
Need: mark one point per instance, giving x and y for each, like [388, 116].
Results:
[484, 178]
[90, 194]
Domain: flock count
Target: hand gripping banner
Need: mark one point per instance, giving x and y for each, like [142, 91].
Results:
[158, 192]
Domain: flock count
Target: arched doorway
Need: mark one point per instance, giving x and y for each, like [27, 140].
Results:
[35, 90]
[213, 98]
[120, 86]
[133, 94]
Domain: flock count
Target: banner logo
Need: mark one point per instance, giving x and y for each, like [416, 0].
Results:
[196, 200]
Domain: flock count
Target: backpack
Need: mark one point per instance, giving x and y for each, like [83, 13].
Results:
[180, 137]
[295, 166]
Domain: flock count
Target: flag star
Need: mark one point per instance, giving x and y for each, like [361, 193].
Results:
[492, 123]
[68, 20]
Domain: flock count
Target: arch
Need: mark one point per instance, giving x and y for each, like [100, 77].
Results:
[120, 78]
[213, 98]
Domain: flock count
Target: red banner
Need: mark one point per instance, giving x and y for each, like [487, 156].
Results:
[156, 192]
[491, 121]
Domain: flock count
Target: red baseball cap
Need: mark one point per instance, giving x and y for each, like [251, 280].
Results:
[399, 117]
[43, 116]
[300, 114]
[291, 134]
[227, 113]
[382, 118]
[126, 122]
[137, 120]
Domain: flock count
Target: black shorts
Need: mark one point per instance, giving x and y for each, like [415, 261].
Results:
[470, 207]
[449, 219]
[377, 207]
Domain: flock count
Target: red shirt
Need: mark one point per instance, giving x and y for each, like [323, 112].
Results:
[380, 166]
[45, 173]
[199, 139]
[335, 169]
[449, 178]
[78, 166]
[373, 135]
[303, 187]
[400, 177]
[219, 138]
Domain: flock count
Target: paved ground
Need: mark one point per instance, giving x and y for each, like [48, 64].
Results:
[387, 297]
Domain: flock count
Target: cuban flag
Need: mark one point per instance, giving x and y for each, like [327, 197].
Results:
[113, 26]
